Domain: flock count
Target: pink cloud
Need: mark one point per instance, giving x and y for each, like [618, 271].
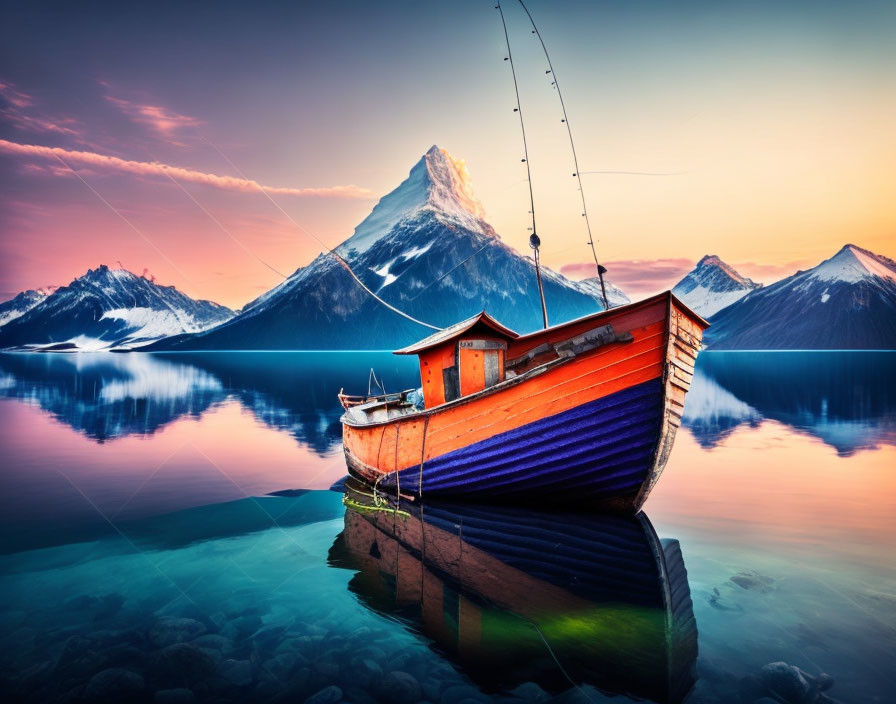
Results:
[636, 276]
[153, 168]
[769, 273]
[16, 112]
[39, 124]
[14, 97]
[161, 120]
[51, 170]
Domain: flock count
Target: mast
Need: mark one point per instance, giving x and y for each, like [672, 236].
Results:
[534, 240]
[601, 270]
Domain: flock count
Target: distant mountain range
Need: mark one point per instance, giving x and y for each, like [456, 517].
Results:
[712, 285]
[106, 308]
[846, 302]
[425, 249]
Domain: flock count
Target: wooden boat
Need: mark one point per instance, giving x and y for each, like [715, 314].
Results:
[585, 411]
[518, 595]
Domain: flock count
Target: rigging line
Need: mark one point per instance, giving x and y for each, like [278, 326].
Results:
[456, 266]
[572, 146]
[221, 226]
[636, 173]
[329, 250]
[534, 241]
[519, 109]
[128, 222]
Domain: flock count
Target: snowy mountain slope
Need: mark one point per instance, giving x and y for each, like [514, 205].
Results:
[712, 285]
[21, 304]
[439, 184]
[615, 295]
[107, 307]
[426, 249]
[846, 302]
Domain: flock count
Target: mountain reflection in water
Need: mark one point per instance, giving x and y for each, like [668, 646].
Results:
[106, 396]
[516, 596]
[845, 399]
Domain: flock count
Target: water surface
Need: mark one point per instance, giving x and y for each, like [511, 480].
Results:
[142, 551]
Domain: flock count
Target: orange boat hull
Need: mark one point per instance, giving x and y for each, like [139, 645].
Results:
[596, 427]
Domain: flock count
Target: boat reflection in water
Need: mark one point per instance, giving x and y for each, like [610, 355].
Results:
[515, 595]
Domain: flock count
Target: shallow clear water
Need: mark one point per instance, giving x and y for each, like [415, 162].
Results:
[141, 550]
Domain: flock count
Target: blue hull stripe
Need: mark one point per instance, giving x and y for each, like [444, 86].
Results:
[600, 449]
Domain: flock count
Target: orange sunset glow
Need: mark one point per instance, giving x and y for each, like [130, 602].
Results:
[765, 136]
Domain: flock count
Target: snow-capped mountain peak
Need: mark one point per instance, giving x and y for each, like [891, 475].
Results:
[846, 302]
[712, 266]
[21, 304]
[712, 285]
[852, 264]
[438, 183]
[107, 307]
[426, 250]
[615, 295]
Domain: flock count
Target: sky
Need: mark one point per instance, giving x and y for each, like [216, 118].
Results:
[768, 130]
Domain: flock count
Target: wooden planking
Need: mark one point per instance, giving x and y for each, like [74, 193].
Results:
[560, 389]
[684, 336]
[432, 362]
[471, 363]
[603, 372]
[625, 320]
[513, 414]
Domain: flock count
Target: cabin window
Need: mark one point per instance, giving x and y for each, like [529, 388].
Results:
[452, 383]
[492, 361]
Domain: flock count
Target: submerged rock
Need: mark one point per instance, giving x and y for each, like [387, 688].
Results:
[174, 696]
[750, 579]
[241, 627]
[181, 664]
[717, 601]
[401, 688]
[108, 606]
[78, 658]
[168, 631]
[459, 692]
[239, 672]
[281, 666]
[328, 695]
[531, 692]
[793, 685]
[114, 684]
[214, 642]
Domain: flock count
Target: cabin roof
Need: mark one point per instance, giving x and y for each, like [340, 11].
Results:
[458, 329]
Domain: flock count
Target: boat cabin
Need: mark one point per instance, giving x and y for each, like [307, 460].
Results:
[462, 359]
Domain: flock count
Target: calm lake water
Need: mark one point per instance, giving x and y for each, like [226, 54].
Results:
[169, 533]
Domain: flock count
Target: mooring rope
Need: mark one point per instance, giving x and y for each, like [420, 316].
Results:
[329, 250]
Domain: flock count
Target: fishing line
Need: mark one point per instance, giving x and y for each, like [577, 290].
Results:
[221, 226]
[329, 250]
[519, 109]
[456, 266]
[534, 241]
[128, 222]
[635, 173]
[572, 146]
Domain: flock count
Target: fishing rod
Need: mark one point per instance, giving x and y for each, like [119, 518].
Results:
[601, 270]
[534, 240]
